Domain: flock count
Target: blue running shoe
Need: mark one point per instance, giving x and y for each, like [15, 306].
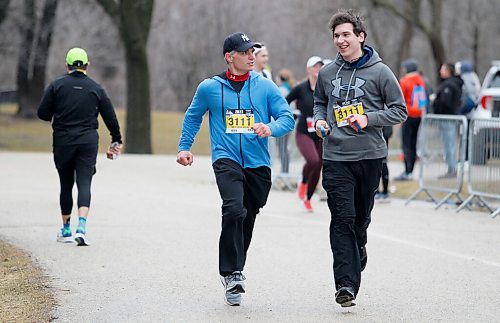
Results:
[80, 238]
[65, 236]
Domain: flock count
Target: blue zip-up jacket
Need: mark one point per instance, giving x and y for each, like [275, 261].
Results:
[216, 95]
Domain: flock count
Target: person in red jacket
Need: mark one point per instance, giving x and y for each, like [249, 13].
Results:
[414, 91]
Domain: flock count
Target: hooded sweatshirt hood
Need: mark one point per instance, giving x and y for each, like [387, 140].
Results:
[370, 57]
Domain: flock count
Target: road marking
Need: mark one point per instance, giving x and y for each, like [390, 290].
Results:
[442, 251]
[395, 240]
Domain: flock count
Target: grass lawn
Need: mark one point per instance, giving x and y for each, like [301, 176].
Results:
[36, 135]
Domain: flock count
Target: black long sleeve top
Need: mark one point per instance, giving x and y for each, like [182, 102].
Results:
[73, 103]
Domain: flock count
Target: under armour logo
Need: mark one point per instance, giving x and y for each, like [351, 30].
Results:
[245, 38]
[357, 87]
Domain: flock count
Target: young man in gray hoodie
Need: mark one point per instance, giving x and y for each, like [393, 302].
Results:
[354, 98]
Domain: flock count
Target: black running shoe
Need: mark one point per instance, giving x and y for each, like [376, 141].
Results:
[345, 296]
[363, 257]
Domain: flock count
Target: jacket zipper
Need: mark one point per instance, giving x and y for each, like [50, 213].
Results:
[241, 143]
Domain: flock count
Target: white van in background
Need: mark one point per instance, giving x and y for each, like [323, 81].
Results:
[489, 102]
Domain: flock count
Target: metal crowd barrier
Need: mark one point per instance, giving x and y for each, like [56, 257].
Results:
[441, 147]
[286, 161]
[484, 163]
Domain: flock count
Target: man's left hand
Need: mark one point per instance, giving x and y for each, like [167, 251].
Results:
[358, 121]
[262, 130]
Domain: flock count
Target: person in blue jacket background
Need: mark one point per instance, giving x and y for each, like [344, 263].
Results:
[244, 109]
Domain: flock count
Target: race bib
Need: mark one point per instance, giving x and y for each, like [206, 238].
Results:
[239, 121]
[310, 124]
[347, 109]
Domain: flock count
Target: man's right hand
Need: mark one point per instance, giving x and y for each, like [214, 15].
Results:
[185, 158]
[322, 124]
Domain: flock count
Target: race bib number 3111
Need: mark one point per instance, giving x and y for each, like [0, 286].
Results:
[239, 121]
[342, 112]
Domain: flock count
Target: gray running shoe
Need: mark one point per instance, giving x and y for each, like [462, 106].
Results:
[345, 296]
[382, 198]
[404, 177]
[233, 288]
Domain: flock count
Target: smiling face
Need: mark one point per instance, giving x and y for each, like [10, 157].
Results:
[240, 63]
[348, 44]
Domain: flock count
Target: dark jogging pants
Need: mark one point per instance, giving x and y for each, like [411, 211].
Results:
[351, 190]
[409, 140]
[71, 161]
[243, 191]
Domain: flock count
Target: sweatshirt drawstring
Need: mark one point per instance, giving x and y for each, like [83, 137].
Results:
[350, 80]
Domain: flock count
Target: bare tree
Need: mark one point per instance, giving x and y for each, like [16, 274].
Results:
[432, 30]
[4, 5]
[293, 30]
[33, 55]
[133, 20]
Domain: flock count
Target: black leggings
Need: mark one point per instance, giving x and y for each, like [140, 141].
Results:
[74, 160]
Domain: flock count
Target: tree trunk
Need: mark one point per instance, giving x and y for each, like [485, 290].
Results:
[405, 44]
[4, 5]
[135, 25]
[33, 74]
[27, 30]
[475, 35]
[412, 8]
[138, 130]
[133, 19]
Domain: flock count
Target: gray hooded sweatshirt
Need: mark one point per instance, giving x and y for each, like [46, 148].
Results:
[373, 84]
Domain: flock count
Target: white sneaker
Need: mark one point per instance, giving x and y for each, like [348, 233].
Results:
[80, 239]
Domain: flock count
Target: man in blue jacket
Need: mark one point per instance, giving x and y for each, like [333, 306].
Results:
[244, 109]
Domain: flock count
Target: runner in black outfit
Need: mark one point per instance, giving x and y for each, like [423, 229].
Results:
[72, 103]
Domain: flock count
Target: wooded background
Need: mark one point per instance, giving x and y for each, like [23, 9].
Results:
[151, 55]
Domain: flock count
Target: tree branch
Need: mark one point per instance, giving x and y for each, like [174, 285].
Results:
[112, 9]
[411, 18]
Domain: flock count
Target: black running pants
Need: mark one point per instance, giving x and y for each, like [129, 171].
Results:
[243, 191]
[351, 188]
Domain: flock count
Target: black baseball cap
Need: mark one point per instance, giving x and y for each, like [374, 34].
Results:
[238, 42]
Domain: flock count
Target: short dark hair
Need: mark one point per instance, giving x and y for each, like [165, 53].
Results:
[450, 67]
[77, 66]
[343, 16]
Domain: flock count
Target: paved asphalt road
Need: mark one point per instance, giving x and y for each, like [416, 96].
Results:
[154, 229]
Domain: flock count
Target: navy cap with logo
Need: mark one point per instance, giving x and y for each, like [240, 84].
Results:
[238, 42]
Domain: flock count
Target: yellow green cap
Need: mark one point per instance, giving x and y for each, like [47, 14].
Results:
[77, 54]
